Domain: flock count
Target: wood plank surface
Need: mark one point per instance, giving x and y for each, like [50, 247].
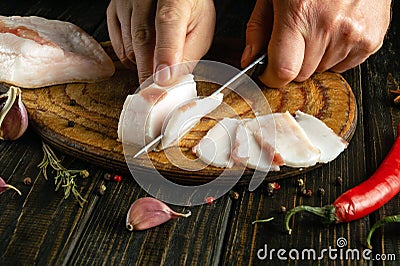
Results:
[42, 228]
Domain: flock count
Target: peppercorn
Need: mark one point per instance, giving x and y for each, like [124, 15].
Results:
[117, 178]
[27, 181]
[270, 190]
[107, 176]
[209, 200]
[102, 189]
[84, 173]
[309, 193]
[321, 192]
[303, 191]
[300, 182]
[339, 181]
[71, 123]
[234, 195]
[72, 102]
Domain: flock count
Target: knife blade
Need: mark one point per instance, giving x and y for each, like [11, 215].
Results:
[157, 140]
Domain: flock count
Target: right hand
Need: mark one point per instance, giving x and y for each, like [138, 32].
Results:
[304, 36]
[155, 35]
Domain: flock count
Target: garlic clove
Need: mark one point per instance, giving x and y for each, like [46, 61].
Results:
[13, 115]
[4, 186]
[149, 212]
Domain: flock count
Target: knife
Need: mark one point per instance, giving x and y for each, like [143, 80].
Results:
[154, 142]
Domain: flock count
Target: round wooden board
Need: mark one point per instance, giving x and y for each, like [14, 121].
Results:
[97, 108]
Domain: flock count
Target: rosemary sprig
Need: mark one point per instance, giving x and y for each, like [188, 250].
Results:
[65, 178]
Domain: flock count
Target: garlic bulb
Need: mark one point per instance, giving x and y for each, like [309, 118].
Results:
[149, 212]
[13, 115]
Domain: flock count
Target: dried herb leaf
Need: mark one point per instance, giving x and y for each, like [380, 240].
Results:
[64, 178]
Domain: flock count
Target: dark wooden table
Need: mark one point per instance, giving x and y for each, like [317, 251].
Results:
[40, 227]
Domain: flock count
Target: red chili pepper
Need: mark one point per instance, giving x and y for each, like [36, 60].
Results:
[365, 198]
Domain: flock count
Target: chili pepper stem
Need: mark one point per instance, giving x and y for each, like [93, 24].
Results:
[263, 221]
[326, 212]
[385, 220]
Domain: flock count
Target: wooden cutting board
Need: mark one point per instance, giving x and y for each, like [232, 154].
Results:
[94, 108]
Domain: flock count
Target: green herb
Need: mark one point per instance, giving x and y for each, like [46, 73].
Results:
[65, 178]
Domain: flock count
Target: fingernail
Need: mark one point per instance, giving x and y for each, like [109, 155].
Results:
[246, 54]
[163, 74]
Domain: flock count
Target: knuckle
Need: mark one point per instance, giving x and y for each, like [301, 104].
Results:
[169, 13]
[370, 45]
[142, 36]
[354, 35]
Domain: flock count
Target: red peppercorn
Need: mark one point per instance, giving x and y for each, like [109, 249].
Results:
[117, 178]
[309, 193]
[210, 200]
[276, 186]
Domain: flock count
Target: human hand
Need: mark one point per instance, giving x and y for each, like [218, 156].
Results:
[158, 34]
[309, 36]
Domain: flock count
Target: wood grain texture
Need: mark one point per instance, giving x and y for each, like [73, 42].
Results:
[97, 106]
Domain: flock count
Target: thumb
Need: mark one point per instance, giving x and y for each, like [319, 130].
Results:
[172, 18]
[285, 55]
[258, 30]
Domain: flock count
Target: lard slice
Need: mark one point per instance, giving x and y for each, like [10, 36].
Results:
[321, 136]
[144, 113]
[186, 116]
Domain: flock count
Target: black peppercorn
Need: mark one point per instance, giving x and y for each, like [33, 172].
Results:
[321, 192]
[72, 102]
[234, 195]
[107, 176]
[71, 123]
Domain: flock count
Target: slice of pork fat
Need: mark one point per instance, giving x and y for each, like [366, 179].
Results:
[186, 116]
[249, 153]
[143, 113]
[280, 130]
[36, 52]
[321, 136]
[216, 146]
